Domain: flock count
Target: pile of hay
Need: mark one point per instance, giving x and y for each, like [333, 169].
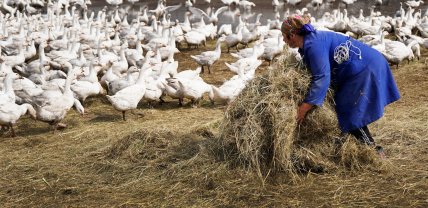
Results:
[261, 126]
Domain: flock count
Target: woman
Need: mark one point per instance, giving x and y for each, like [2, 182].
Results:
[359, 74]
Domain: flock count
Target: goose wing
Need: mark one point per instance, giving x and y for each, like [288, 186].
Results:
[220, 10]
[172, 8]
[198, 12]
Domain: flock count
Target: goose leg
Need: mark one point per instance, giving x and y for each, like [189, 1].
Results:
[60, 126]
[54, 128]
[150, 105]
[161, 101]
[202, 69]
[12, 130]
[4, 128]
[123, 115]
[237, 48]
[193, 104]
[198, 102]
[180, 101]
[209, 70]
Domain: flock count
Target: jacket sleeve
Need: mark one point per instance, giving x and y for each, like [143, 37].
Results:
[319, 64]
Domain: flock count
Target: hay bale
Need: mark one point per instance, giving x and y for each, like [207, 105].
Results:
[261, 124]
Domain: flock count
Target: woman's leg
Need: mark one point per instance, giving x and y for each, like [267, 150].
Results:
[363, 135]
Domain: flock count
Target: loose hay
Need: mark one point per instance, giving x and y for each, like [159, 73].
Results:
[261, 123]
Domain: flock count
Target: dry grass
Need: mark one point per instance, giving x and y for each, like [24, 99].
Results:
[172, 157]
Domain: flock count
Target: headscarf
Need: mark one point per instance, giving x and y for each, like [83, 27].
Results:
[296, 24]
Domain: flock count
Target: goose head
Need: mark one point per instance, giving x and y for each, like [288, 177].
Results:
[222, 38]
[133, 69]
[150, 54]
[66, 67]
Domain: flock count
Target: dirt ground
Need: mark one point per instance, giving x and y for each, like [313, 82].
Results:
[170, 158]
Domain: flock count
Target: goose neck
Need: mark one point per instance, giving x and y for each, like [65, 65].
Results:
[70, 77]
[138, 47]
[141, 77]
[218, 47]
[42, 52]
[8, 84]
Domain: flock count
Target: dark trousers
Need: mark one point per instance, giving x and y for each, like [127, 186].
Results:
[363, 135]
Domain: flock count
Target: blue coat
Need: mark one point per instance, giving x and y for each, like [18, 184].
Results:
[363, 84]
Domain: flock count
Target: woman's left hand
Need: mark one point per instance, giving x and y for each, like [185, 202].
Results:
[301, 112]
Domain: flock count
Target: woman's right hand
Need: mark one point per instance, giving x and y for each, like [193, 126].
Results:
[301, 112]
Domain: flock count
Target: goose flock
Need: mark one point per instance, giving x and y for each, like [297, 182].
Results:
[57, 53]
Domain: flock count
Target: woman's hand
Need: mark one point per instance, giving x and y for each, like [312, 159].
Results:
[301, 111]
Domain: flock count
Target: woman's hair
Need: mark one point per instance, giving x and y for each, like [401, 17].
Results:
[294, 24]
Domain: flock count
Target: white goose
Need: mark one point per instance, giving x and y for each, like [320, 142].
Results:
[413, 3]
[121, 66]
[43, 76]
[248, 37]
[208, 58]
[233, 40]
[230, 2]
[246, 4]
[258, 48]
[188, 74]
[256, 24]
[272, 51]
[31, 51]
[49, 109]
[173, 90]
[155, 86]
[90, 75]
[395, 52]
[134, 56]
[80, 61]
[108, 76]
[25, 90]
[7, 95]
[35, 66]
[10, 113]
[161, 9]
[129, 97]
[173, 93]
[118, 84]
[225, 29]
[246, 65]
[194, 38]
[170, 49]
[190, 89]
[213, 18]
[229, 90]
[144, 17]
[14, 60]
[5, 70]
[185, 25]
[7, 8]
[85, 88]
